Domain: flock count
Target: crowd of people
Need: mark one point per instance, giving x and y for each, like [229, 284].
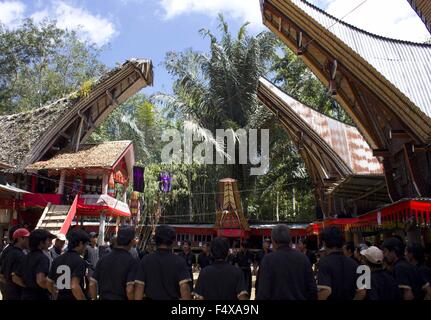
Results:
[34, 269]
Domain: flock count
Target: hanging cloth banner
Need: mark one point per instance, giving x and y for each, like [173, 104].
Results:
[165, 182]
[138, 179]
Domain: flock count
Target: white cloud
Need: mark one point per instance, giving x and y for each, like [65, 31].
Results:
[94, 28]
[244, 10]
[11, 13]
[390, 18]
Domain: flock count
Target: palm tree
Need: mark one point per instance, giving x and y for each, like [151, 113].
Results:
[218, 90]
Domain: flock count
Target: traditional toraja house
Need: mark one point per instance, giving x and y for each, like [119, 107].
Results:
[383, 84]
[46, 148]
[97, 176]
[230, 219]
[423, 9]
[348, 179]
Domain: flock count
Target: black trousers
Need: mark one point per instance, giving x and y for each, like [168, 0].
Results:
[247, 278]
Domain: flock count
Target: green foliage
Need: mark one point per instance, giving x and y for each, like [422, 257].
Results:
[41, 63]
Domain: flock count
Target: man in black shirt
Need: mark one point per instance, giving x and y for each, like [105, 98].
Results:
[285, 274]
[163, 275]
[35, 267]
[67, 272]
[4, 253]
[266, 248]
[383, 285]
[336, 276]
[204, 258]
[407, 276]
[415, 254]
[189, 258]
[11, 262]
[303, 247]
[220, 280]
[115, 273]
[244, 260]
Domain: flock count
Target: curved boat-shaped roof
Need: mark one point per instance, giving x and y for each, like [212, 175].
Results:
[423, 9]
[398, 72]
[341, 143]
[407, 65]
[30, 136]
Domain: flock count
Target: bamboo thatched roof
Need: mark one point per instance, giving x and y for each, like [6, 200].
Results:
[103, 155]
[40, 133]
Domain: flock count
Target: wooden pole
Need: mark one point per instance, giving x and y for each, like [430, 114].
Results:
[277, 207]
[61, 182]
[102, 221]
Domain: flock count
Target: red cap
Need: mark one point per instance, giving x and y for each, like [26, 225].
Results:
[20, 233]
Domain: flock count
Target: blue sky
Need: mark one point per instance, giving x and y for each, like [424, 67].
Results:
[150, 28]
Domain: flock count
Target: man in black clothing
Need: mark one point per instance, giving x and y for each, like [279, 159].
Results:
[383, 285]
[285, 274]
[4, 253]
[205, 258]
[163, 275]
[189, 258]
[303, 247]
[415, 254]
[115, 273]
[407, 276]
[336, 276]
[11, 262]
[33, 270]
[266, 248]
[220, 280]
[244, 260]
[349, 250]
[67, 272]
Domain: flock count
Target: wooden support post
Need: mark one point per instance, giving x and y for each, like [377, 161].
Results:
[61, 182]
[101, 239]
[117, 224]
[102, 223]
[78, 138]
[33, 184]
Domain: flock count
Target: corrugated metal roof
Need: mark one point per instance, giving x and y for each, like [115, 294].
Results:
[406, 65]
[345, 140]
[423, 9]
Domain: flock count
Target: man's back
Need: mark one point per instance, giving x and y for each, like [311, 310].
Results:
[33, 263]
[286, 275]
[220, 281]
[113, 272]
[409, 276]
[77, 268]
[383, 287]
[10, 264]
[161, 273]
[337, 273]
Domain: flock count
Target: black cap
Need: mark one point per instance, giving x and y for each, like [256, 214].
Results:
[394, 244]
[44, 233]
[125, 236]
[219, 248]
[38, 235]
[165, 235]
[75, 237]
